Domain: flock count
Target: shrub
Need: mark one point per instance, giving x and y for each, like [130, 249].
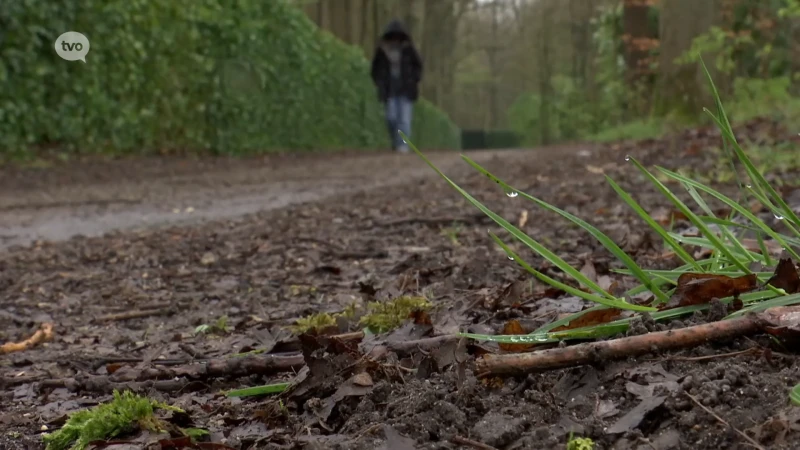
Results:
[231, 77]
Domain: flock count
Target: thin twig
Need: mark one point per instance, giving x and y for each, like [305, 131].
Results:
[709, 357]
[430, 220]
[458, 440]
[366, 431]
[136, 314]
[45, 333]
[752, 441]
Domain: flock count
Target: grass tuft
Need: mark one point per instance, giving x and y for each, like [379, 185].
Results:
[723, 236]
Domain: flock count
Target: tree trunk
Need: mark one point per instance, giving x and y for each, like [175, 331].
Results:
[682, 87]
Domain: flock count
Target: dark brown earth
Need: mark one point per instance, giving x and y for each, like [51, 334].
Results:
[267, 241]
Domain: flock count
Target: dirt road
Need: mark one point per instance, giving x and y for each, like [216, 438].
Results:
[91, 199]
[212, 258]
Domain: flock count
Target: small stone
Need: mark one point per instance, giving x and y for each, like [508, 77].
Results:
[498, 430]
[208, 258]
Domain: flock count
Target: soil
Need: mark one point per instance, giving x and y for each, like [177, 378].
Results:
[127, 258]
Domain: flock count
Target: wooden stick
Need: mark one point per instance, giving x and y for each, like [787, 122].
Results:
[45, 333]
[614, 349]
[173, 377]
[459, 440]
[136, 314]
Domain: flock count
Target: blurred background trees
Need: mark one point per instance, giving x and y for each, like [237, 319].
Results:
[556, 70]
[236, 76]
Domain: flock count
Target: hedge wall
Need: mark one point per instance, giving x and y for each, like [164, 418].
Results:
[231, 76]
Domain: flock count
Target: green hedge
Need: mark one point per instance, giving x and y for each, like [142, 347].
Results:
[231, 76]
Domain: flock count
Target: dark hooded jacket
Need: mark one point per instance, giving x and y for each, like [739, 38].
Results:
[410, 66]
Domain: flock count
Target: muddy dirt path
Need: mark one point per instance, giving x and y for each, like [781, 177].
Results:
[268, 241]
[93, 199]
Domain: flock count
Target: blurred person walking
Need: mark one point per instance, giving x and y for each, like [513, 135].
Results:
[396, 72]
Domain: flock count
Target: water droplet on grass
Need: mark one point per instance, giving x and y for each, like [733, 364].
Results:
[512, 194]
[627, 157]
[510, 258]
[778, 216]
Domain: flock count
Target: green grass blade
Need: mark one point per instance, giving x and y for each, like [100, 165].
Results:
[765, 251]
[725, 230]
[615, 303]
[676, 247]
[784, 300]
[734, 206]
[794, 395]
[517, 233]
[609, 244]
[614, 327]
[761, 184]
[567, 319]
[758, 179]
[692, 216]
[276, 388]
[617, 326]
[706, 243]
[775, 211]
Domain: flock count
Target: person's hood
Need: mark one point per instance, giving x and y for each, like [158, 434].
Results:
[395, 27]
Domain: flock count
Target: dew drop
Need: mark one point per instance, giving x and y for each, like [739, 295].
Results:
[510, 258]
[512, 194]
[627, 157]
[778, 216]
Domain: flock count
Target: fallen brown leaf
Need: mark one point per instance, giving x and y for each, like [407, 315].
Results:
[785, 276]
[592, 318]
[513, 328]
[699, 288]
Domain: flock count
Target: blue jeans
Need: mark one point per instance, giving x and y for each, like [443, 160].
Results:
[399, 111]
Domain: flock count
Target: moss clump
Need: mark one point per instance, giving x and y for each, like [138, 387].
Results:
[124, 413]
[321, 321]
[579, 443]
[314, 322]
[385, 316]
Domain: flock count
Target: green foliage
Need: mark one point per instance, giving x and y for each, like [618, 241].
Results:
[573, 114]
[723, 236]
[233, 77]
[195, 433]
[318, 321]
[489, 139]
[716, 41]
[794, 395]
[579, 443]
[386, 316]
[433, 127]
[123, 414]
[275, 388]
[220, 326]
[638, 129]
